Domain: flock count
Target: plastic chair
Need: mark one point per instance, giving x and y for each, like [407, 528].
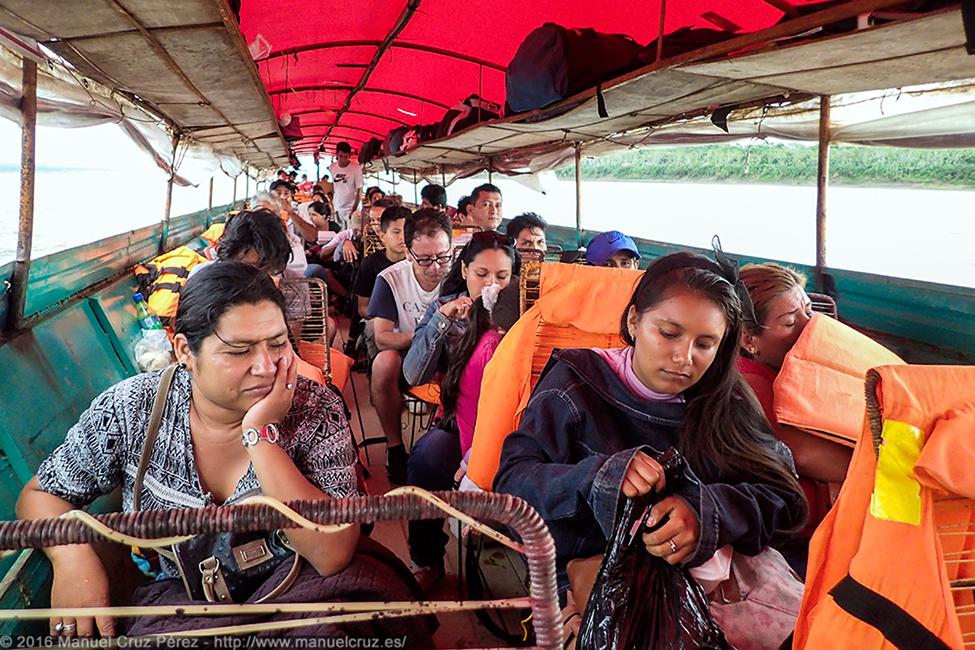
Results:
[420, 398]
[565, 306]
[312, 344]
[823, 304]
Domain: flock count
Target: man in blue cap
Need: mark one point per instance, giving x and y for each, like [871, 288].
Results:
[613, 249]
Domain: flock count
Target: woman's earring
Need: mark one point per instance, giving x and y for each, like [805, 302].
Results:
[753, 351]
[182, 365]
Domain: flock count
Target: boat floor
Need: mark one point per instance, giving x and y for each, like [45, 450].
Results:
[504, 568]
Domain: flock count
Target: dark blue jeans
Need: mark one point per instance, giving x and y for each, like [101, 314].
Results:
[432, 465]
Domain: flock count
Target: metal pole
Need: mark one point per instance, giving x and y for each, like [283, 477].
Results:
[490, 170]
[169, 197]
[247, 186]
[822, 185]
[318, 173]
[210, 204]
[233, 203]
[416, 189]
[25, 232]
[579, 195]
[660, 32]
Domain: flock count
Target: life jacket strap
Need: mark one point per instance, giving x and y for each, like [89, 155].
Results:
[897, 626]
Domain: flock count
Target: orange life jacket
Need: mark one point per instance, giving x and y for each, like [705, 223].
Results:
[578, 306]
[820, 386]
[893, 559]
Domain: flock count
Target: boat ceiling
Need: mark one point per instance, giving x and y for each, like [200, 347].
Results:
[352, 75]
[184, 60]
[915, 51]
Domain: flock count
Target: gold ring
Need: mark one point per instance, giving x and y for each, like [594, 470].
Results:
[673, 547]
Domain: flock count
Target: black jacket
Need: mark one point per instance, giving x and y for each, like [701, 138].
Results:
[578, 434]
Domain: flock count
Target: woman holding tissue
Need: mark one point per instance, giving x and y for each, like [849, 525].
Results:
[458, 334]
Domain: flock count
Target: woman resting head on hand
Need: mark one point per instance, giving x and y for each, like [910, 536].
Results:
[235, 388]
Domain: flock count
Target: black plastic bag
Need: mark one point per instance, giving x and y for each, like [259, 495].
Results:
[639, 602]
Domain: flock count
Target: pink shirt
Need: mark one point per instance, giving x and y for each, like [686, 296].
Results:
[470, 387]
[620, 360]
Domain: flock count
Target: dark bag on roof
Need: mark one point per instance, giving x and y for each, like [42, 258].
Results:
[554, 62]
[401, 139]
[372, 149]
[467, 113]
[685, 39]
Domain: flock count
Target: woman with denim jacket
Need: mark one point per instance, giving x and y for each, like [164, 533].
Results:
[489, 258]
[598, 419]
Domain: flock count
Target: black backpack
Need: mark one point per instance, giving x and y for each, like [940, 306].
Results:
[401, 139]
[554, 62]
[373, 148]
[467, 113]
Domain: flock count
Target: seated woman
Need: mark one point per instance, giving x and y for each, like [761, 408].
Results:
[236, 384]
[782, 310]
[489, 258]
[597, 420]
[256, 237]
[439, 453]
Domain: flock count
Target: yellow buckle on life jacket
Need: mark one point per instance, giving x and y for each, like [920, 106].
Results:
[896, 493]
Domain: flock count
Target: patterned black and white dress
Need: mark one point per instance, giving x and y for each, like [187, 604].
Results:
[102, 451]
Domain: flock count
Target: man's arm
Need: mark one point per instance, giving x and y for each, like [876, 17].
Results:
[387, 338]
[308, 231]
[363, 305]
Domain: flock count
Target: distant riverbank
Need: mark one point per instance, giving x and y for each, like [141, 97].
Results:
[790, 164]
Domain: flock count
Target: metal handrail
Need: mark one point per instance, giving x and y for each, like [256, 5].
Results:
[505, 509]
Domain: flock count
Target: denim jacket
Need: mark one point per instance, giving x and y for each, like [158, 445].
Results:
[578, 434]
[428, 351]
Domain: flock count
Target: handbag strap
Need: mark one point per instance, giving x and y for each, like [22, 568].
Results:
[152, 432]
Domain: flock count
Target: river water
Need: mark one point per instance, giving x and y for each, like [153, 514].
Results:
[912, 233]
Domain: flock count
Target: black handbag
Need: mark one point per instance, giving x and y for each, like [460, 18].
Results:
[218, 567]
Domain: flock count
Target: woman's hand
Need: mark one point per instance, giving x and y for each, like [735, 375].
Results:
[276, 404]
[349, 252]
[643, 475]
[677, 539]
[80, 581]
[457, 308]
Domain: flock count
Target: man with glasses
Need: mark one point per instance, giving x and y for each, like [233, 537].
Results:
[400, 297]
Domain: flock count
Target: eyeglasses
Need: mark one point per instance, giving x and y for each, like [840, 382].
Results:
[492, 237]
[439, 260]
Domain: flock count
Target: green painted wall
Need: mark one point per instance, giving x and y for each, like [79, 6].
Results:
[79, 346]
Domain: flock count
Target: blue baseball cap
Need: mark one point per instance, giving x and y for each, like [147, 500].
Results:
[604, 245]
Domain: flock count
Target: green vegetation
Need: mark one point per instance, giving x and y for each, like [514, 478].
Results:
[787, 164]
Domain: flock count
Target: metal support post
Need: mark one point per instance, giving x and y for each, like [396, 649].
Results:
[25, 231]
[210, 204]
[163, 243]
[579, 195]
[822, 186]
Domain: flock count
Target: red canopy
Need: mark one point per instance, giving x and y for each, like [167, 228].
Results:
[353, 71]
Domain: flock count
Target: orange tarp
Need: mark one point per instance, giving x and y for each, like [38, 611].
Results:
[588, 299]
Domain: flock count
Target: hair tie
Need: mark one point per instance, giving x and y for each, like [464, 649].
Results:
[729, 271]
[489, 296]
